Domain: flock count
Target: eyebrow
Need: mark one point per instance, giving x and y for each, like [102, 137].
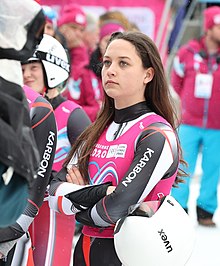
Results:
[120, 57]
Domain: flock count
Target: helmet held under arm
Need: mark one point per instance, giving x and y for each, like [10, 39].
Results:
[162, 238]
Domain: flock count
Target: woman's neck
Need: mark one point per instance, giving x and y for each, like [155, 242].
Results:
[52, 93]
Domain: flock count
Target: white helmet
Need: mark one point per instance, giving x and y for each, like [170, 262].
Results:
[165, 239]
[55, 60]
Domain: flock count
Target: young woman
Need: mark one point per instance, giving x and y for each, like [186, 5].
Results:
[132, 144]
[47, 72]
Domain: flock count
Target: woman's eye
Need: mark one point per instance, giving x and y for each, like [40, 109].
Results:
[34, 67]
[106, 63]
[123, 63]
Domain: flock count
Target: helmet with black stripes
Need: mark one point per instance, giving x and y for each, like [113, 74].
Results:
[55, 61]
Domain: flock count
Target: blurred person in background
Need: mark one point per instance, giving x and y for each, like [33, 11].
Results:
[51, 20]
[82, 86]
[91, 33]
[117, 16]
[106, 29]
[71, 24]
[195, 78]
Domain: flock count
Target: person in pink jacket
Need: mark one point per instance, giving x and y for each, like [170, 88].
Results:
[195, 77]
[82, 86]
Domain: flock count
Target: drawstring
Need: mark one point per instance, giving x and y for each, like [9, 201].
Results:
[86, 249]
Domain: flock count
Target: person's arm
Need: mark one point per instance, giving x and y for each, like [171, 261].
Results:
[69, 195]
[90, 93]
[94, 94]
[45, 132]
[74, 128]
[159, 147]
[178, 71]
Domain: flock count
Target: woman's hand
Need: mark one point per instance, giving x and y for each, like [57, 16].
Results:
[74, 176]
[110, 189]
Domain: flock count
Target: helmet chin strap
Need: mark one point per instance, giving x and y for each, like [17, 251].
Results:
[51, 93]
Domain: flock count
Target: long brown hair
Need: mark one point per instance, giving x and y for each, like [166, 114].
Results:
[157, 95]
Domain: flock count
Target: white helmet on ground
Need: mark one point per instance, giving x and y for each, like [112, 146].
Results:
[165, 239]
[55, 61]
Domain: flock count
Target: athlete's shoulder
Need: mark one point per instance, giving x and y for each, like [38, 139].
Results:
[70, 105]
[150, 119]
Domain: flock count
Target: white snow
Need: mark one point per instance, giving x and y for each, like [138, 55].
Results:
[207, 246]
[206, 251]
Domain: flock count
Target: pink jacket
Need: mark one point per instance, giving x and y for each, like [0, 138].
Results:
[191, 59]
[83, 86]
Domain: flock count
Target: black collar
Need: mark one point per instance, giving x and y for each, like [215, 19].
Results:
[56, 101]
[130, 113]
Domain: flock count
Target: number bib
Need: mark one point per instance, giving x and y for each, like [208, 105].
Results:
[203, 86]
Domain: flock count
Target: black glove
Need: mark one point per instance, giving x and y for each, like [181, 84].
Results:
[88, 196]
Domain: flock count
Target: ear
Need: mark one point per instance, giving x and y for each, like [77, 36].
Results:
[149, 74]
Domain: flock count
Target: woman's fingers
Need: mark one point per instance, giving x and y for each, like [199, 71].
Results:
[71, 176]
[74, 176]
[110, 189]
[79, 176]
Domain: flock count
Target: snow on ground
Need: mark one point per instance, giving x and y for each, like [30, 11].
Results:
[206, 251]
